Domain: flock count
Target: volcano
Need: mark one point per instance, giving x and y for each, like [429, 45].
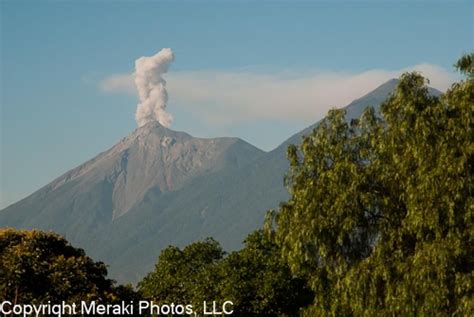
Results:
[159, 187]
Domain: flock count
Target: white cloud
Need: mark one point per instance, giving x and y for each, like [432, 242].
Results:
[233, 96]
[119, 83]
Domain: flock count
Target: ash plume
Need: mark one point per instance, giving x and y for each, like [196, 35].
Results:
[151, 88]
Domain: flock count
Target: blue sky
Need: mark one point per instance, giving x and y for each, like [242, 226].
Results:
[259, 68]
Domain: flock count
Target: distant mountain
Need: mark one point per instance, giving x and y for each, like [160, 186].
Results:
[158, 187]
[153, 160]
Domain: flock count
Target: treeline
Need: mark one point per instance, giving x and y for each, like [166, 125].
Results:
[38, 267]
[380, 221]
[255, 278]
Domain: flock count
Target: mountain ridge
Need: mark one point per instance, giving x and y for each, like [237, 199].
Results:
[158, 187]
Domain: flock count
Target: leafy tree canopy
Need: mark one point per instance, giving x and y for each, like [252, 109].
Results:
[178, 273]
[37, 267]
[255, 278]
[380, 218]
[260, 283]
[466, 64]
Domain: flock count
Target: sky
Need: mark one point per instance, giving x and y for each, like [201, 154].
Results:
[261, 71]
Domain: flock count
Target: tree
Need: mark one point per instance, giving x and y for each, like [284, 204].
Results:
[179, 273]
[380, 218]
[260, 283]
[466, 64]
[255, 278]
[37, 267]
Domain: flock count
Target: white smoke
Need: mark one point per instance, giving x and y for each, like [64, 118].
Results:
[151, 88]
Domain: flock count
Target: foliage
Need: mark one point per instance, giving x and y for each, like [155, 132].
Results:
[466, 64]
[259, 283]
[37, 267]
[255, 279]
[178, 273]
[380, 218]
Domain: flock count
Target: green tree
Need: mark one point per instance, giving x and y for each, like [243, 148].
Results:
[380, 218]
[181, 276]
[260, 283]
[466, 64]
[255, 278]
[37, 267]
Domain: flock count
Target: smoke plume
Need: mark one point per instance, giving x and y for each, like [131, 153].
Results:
[151, 88]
